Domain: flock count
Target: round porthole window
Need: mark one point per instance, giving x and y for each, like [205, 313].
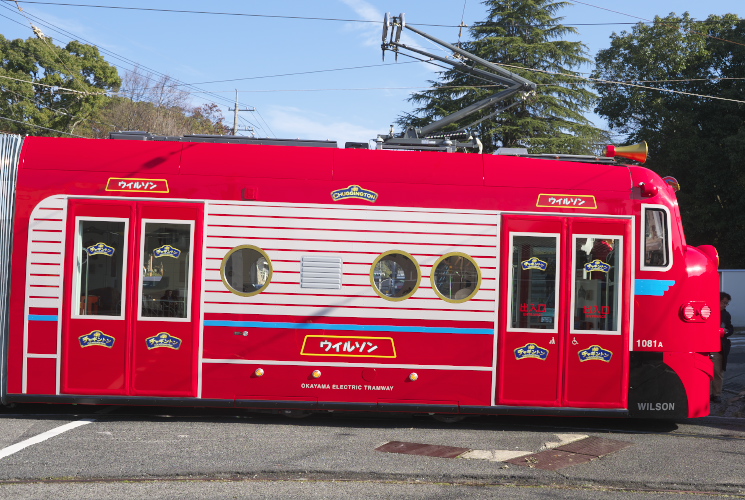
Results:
[456, 277]
[395, 275]
[246, 270]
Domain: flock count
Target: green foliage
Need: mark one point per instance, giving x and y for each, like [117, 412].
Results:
[698, 140]
[69, 85]
[51, 91]
[520, 34]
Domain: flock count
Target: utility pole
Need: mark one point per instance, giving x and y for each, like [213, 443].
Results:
[235, 113]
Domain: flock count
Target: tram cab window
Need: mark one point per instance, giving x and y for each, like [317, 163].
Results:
[100, 267]
[596, 283]
[655, 238]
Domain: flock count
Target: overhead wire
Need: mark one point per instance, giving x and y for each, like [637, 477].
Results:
[114, 55]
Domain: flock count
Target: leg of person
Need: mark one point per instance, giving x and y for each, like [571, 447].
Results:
[718, 380]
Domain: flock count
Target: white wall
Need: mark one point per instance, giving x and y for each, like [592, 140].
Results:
[733, 282]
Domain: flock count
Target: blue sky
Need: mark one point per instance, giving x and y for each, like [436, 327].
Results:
[218, 54]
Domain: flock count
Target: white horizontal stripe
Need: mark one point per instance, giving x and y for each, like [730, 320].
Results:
[42, 356]
[377, 312]
[39, 258]
[371, 212]
[46, 247]
[38, 225]
[341, 248]
[52, 303]
[379, 235]
[45, 280]
[342, 364]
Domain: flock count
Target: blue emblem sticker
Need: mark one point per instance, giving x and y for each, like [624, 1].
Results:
[597, 265]
[531, 351]
[100, 248]
[534, 263]
[354, 191]
[595, 352]
[96, 337]
[163, 339]
[167, 251]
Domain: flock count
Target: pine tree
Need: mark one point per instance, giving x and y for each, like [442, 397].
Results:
[519, 34]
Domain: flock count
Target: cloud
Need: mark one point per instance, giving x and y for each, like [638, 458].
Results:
[290, 122]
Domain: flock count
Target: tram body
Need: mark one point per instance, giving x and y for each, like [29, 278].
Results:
[168, 272]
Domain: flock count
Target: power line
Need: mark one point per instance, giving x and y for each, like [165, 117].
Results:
[113, 54]
[39, 126]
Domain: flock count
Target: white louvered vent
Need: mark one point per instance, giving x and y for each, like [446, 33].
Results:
[320, 272]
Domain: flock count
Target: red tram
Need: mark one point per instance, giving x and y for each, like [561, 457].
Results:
[182, 271]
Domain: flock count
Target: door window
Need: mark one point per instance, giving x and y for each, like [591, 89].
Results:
[101, 262]
[597, 269]
[534, 276]
[166, 269]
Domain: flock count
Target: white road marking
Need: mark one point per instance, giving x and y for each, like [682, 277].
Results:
[5, 452]
[503, 455]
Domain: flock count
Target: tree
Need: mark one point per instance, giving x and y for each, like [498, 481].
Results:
[158, 105]
[697, 139]
[45, 87]
[520, 34]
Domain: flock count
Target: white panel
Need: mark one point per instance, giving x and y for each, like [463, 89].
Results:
[45, 280]
[40, 258]
[41, 269]
[38, 225]
[46, 247]
[343, 248]
[359, 213]
[48, 303]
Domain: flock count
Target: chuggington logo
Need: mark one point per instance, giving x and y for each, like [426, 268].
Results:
[100, 249]
[534, 263]
[531, 351]
[597, 265]
[163, 339]
[167, 251]
[595, 352]
[354, 191]
[96, 337]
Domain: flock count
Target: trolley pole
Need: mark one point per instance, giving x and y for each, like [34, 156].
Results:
[235, 113]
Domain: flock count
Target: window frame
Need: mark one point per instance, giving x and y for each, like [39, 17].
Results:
[225, 261]
[381, 257]
[77, 288]
[557, 282]
[643, 238]
[140, 275]
[475, 288]
[619, 249]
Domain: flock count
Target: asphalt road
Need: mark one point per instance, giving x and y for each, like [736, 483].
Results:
[172, 453]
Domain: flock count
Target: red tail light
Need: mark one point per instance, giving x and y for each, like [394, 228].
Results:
[695, 311]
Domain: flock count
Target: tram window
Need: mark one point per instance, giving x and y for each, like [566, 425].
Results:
[166, 270]
[455, 277]
[655, 238]
[395, 275]
[596, 283]
[246, 270]
[100, 268]
[533, 302]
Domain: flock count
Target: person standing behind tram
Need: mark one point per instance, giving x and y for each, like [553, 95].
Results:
[720, 358]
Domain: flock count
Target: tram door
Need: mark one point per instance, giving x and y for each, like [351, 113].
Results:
[131, 303]
[564, 312]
